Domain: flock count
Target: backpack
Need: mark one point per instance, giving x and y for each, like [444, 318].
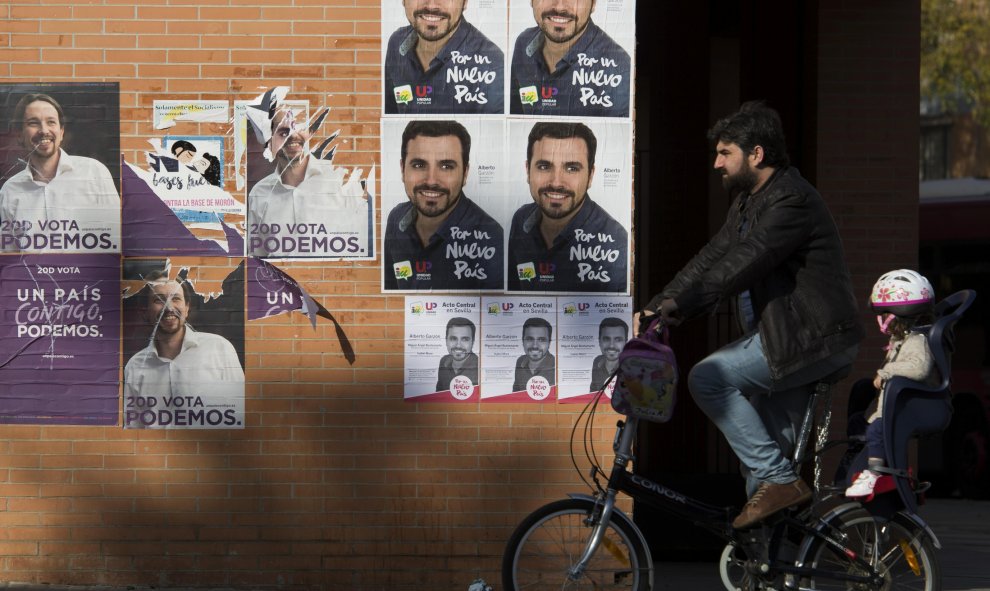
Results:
[646, 381]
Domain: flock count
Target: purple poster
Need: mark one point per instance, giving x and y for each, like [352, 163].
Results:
[59, 339]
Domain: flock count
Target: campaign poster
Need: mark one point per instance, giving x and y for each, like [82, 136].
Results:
[183, 343]
[593, 331]
[59, 168]
[59, 339]
[444, 58]
[271, 291]
[519, 349]
[300, 204]
[572, 61]
[441, 354]
[569, 229]
[442, 203]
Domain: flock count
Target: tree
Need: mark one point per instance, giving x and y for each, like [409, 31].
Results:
[955, 56]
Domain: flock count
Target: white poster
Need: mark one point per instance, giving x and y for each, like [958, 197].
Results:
[443, 192]
[570, 190]
[593, 331]
[519, 349]
[441, 354]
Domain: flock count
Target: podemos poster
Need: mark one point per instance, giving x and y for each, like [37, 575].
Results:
[59, 339]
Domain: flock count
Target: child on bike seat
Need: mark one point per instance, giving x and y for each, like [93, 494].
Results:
[902, 300]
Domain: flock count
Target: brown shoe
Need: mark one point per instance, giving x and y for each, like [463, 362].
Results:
[770, 498]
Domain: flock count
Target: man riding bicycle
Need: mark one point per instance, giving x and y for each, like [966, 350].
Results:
[780, 256]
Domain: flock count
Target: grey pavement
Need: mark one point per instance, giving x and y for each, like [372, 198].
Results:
[962, 526]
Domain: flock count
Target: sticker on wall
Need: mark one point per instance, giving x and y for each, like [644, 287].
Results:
[441, 349]
[59, 339]
[59, 166]
[593, 331]
[183, 343]
[300, 205]
[168, 113]
[519, 349]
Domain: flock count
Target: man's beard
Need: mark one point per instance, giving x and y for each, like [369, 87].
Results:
[740, 182]
[436, 33]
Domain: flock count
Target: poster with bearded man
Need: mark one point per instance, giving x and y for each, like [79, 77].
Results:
[59, 168]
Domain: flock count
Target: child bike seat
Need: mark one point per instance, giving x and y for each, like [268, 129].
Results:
[913, 409]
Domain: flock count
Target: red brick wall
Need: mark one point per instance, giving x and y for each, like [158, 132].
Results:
[336, 482]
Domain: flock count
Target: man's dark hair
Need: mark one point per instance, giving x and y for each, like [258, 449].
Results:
[613, 322]
[184, 145]
[188, 293]
[434, 128]
[460, 321]
[537, 322]
[18, 119]
[560, 130]
[754, 124]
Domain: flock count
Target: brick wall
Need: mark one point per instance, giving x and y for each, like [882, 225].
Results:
[336, 482]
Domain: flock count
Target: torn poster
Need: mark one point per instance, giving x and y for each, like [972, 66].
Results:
[184, 344]
[300, 205]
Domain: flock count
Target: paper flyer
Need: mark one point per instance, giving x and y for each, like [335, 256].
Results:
[441, 349]
[593, 331]
[519, 349]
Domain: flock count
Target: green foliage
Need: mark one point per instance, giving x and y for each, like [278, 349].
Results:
[955, 55]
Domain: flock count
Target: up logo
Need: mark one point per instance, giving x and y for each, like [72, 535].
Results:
[423, 266]
[423, 91]
[582, 306]
[507, 306]
[547, 268]
[429, 306]
[548, 92]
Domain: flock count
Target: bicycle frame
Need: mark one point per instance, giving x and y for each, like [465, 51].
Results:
[713, 518]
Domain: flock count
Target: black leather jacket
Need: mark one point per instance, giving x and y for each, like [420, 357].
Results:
[790, 259]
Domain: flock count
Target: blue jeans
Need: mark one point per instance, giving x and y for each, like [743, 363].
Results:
[733, 387]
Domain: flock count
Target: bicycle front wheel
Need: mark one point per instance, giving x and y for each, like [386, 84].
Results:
[899, 550]
[550, 541]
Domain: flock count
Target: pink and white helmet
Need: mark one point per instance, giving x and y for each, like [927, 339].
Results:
[903, 292]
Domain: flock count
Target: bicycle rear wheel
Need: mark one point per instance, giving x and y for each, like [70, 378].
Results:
[552, 538]
[903, 555]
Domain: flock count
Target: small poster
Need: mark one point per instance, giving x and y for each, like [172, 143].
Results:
[519, 349]
[59, 339]
[593, 331]
[167, 113]
[59, 168]
[183, 343]
[441, 355]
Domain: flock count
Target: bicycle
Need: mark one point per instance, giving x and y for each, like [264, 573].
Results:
[586, 542]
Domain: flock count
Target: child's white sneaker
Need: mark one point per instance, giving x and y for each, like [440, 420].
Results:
[863, 485]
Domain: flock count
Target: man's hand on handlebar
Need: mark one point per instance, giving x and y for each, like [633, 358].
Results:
[667, 312]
